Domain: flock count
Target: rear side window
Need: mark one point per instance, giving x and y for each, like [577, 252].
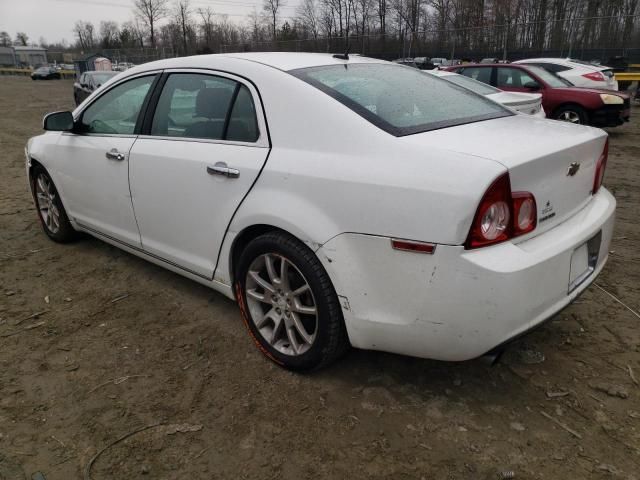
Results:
[243, 126]
[400, 100]
[194, 105]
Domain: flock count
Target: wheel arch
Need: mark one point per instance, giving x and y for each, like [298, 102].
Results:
[244, 237]
[33, 164]
[570, 104]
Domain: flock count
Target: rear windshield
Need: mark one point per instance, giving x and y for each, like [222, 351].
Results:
[551, 79]
[473, 85]
[400, 100]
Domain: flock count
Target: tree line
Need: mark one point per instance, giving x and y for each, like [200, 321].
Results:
[371, 26]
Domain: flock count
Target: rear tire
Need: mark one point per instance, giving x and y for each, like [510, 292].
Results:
[288, 303]
[53, 217]
[572, 114]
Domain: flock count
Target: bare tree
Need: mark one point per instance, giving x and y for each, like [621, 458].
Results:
[207, 25]
[84, 34]
[309, 17]
[109, 34]
[5, 39]
[22, 39]
[272, 7]
[183, 13]
[150, 12]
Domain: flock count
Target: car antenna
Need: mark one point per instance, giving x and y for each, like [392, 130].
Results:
[343, 56]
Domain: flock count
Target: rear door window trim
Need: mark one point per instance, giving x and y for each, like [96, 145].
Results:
[263, 140]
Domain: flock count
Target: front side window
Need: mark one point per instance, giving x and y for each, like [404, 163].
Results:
[194, 105]
[400, 100]
[116, 112]
[513, 78]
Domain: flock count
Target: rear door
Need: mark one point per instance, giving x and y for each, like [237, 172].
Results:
[204, 143]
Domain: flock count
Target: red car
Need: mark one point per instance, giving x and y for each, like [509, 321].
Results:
[560, 100]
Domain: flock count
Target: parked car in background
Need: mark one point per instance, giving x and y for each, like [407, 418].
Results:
[586, 106]
[473, 234]
[440, 62]
[579, 73]
[45, 73]
[122, 66]
[409, 62]
[528, 103]
[88, 82]
[424, 63]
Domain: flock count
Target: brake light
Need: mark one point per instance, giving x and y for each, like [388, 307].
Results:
[525, 216]
[595, 76]
[601, 165]
[502, 215]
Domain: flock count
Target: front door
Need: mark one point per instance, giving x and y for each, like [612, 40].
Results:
[197, 159]
[94, 162]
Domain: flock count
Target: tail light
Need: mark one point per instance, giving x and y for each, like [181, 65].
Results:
[502, 215]
[601, 165]
[595, 76]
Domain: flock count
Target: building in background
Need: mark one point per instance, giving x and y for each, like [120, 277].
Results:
[7, 57]
[30, 56]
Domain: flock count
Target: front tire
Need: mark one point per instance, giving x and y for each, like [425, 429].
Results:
[572, 114]
[288, 303]
[53, 217]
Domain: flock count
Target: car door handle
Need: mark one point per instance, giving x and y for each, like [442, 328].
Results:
[221, 168]
[114, 154]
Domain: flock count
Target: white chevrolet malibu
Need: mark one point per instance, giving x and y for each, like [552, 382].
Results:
[341, 201]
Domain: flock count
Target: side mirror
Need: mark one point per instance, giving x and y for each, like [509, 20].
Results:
[532, 85]
[58, 122]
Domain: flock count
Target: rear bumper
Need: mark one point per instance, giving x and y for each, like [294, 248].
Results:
[458, 304]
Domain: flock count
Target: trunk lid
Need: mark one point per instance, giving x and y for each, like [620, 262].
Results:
[528, 103]
[539, 155]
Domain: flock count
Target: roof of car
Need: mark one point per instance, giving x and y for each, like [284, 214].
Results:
[546, 59]
[285, 61]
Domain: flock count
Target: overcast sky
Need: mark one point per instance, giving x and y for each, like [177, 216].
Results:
[54, 19]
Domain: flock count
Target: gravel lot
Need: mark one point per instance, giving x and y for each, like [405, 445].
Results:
[123, 344]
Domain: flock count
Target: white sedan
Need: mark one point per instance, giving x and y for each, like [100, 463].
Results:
[341, 201]
[577, 72]
[527, 103]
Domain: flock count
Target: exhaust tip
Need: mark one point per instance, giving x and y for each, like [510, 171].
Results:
[492, 357]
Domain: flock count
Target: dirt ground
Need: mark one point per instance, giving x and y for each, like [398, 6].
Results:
[121, 344]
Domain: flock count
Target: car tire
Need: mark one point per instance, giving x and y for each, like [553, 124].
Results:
[297, 322]
[572, 114]
[53, 217]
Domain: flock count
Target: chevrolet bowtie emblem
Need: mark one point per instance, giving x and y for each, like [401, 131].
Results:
[573, 169]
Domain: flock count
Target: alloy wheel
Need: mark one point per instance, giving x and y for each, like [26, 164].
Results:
[281, 304]
[569, 116]
[45, 197]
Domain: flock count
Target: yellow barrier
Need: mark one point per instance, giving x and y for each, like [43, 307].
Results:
[627, 76]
